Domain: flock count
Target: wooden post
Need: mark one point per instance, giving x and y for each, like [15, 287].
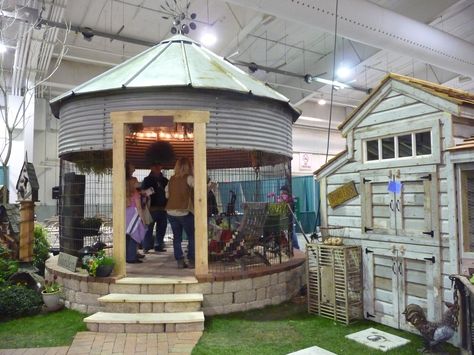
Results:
[119, 195]
[200, 199]
[27, 224]
[199, 118]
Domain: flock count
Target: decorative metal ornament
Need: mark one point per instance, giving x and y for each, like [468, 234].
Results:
[178, 12]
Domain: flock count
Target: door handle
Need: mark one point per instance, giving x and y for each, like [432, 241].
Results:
[398, 205]
[393, 268]
[391, 205]
[400, 269]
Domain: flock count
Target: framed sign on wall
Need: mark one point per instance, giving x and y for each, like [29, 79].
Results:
[305, 161]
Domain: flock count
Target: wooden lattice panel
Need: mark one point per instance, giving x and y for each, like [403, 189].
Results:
[334, 282]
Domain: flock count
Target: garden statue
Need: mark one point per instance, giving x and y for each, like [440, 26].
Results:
[433, 333]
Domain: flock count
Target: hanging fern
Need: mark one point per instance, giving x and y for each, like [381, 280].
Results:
[93, 162]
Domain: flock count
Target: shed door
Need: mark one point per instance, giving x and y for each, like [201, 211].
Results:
[408, 208]
[416, 206]
[380, 281]
[395, 278]
[419, 282]
[377, 204]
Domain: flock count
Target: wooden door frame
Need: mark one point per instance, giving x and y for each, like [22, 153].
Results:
[463, 171]
[119, 120]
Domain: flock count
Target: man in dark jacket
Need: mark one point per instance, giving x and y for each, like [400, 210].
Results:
[158, 182]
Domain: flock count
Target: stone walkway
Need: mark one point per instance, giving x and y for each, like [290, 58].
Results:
[121, 343]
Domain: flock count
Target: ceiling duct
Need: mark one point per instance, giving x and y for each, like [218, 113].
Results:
[365, 22]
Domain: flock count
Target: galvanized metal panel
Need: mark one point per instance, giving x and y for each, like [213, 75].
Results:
[236, 122]
[176, 62]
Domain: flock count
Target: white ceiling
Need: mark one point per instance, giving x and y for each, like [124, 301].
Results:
[284, 35]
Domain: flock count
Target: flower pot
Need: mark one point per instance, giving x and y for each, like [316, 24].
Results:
[104, 270]
[52, 301]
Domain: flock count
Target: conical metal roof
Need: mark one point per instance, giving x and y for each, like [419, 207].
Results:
[175, 62]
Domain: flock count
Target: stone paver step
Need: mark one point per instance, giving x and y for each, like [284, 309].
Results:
[145, 318]
[157, 280]
[145, 322]
[147, 303]
[152, 298]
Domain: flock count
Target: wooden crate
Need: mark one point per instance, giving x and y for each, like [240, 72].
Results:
[334, 281]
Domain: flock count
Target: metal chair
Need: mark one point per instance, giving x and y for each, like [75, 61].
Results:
[248, 236]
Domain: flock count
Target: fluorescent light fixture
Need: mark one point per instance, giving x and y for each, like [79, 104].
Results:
[208, 39]
[312, 119]
[3, 48]
[321, 102]
[336, 83]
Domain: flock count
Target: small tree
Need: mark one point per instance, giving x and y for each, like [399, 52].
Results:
[23, 79]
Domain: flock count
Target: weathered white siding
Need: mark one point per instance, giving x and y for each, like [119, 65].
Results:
[405, 265]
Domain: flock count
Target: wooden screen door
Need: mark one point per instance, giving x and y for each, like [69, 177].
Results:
[466, 242]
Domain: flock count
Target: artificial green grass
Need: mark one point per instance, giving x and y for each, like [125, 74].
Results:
[43, 330]
[287, 328]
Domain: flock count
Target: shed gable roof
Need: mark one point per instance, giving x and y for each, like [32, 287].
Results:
[417, 92]
[453, 98]
[467, 144]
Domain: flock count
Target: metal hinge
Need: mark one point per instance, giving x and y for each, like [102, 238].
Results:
[430, 233]
[368, 315]
[364, 180]
[432, 259]
[426, 177]
[367, 251]
[366, 229]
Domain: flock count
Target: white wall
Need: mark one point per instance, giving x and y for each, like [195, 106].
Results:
[310, 137]
[46, 160]
[23, 112]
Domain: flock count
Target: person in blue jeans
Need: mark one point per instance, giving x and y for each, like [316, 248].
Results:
[288, 198]
[180, 210]
[156, 181]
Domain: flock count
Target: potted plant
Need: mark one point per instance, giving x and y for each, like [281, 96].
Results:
[52, 295]
[99, 265]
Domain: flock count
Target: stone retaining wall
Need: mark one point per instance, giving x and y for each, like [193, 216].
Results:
[80, 290]
[250, 293]
[233, 295]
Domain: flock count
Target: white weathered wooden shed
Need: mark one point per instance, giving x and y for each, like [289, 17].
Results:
[411, 208]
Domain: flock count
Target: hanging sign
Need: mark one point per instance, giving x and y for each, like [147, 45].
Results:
[395, 187]
[305, 161]
[342, 194]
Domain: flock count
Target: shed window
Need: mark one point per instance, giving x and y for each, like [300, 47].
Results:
[402, 146]
[373, 150]
[405, 146]
[423, 143]
[388, 148]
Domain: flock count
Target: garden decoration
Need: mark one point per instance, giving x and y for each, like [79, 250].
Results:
[27, 192]
[433, 333]
[99, 265]
[52, 295]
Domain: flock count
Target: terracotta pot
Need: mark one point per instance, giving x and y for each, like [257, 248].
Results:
[52, 301]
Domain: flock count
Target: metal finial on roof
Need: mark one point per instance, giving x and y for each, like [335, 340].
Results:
[179, 13]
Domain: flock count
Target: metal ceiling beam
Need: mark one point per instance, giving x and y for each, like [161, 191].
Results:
[377, 27]
[83, 30]
[38, 22]
[253, 24]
